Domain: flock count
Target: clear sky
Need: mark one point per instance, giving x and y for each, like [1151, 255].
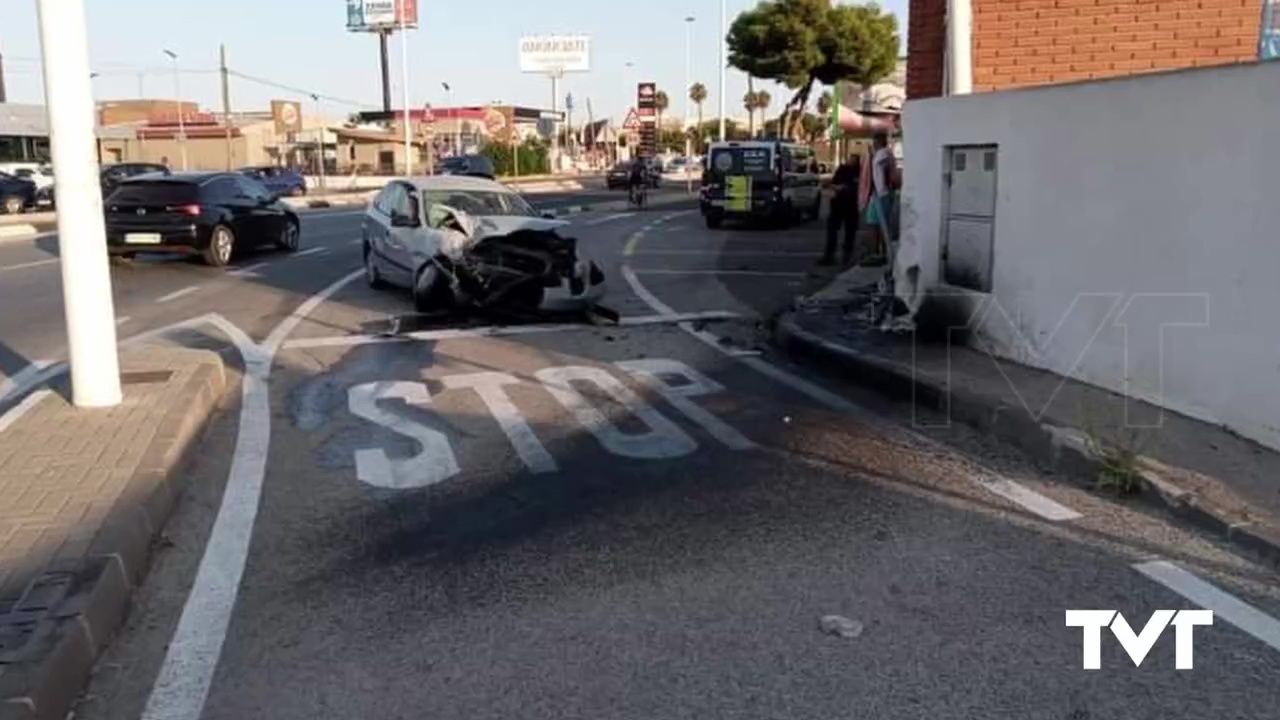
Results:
[304, 44]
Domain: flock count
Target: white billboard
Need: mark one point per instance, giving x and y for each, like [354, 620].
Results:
[367, 15]
[555, 54]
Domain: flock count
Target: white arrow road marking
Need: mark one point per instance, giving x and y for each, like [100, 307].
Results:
[182, 685]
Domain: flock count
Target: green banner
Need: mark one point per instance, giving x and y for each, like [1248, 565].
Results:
[737, 193]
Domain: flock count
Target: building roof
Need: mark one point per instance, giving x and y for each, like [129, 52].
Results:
[21, 119]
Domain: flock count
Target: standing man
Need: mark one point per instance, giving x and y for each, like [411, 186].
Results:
[843, 210]
[880, 206]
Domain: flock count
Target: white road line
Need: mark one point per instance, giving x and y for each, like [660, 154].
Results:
[716, 253]
[1041, 505]
[609, 218]
[24, 266]
[178, 293]
[122, 320]
[1223, 604]
[753, 273]
[17, 411]
[250, 270]
[312, 251]
[182, 685]
[1020, 495]
[500, 330]
[318, 214]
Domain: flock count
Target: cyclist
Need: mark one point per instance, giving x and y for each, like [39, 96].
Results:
[637, 182]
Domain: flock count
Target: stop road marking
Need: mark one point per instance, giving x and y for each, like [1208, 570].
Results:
[436, 461]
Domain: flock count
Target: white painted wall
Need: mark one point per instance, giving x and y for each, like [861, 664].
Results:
[1165, 183]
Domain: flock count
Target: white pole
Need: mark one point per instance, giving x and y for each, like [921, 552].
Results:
[960, 47]
[553, 158]
[177, 91]
[320, 145]
[404, 79]
[724, 59]
[82, 236]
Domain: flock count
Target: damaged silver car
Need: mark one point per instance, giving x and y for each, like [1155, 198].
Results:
[463, 242]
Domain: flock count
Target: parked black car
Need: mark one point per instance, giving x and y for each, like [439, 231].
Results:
[109, 178]
[619, 176]
[209, 214]
[470, 165]
[16, 194]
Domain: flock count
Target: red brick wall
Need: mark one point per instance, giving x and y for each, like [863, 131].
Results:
[926, 46]
[1032, 42]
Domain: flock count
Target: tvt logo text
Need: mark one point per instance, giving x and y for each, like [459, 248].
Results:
[1139, 644]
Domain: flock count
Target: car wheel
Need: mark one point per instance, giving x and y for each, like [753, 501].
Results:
[290, 237]
[12, 205]
[221, 243]
[714, 221]
[371, 274]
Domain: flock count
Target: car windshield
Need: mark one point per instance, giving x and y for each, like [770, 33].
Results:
[143, 192]
[480, 202]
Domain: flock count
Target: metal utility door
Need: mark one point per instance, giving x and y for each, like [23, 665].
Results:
[969, 224]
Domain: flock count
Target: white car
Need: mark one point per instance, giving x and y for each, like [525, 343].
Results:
[465, 241]
[41, 175]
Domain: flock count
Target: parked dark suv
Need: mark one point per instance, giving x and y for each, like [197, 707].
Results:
[207, 214]
[16, 194]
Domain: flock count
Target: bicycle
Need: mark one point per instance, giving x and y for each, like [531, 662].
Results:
[637, 196]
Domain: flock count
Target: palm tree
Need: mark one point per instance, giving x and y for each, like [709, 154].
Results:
[698, 94]
[825, 102]
[660, 103]
[762, 101]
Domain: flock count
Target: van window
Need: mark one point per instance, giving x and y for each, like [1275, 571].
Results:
[754, 161]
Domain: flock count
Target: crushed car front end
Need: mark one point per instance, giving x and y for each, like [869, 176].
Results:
[519, 264]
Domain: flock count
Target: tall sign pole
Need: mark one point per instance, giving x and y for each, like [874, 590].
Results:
[724, 59]
[82, 236]
[404, 80]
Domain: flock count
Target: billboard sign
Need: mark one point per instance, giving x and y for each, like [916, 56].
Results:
[374, 15]
[287, 115]
[554, 54]
[646, 108]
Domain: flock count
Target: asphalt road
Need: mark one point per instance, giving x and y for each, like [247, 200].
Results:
[647, 521]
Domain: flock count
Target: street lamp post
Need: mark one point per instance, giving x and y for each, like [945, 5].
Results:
[320, 144]
[404, 80]
[457, 120]
[177, 91]
[688, 83]
[82, 237]
[724, 59]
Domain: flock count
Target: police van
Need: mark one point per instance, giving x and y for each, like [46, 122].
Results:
[767, 179]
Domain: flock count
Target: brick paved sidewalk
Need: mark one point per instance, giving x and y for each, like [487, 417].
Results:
[1202, 472]
[83, 493]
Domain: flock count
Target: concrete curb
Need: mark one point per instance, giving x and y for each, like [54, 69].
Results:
[1068, 451]
[47, 681]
